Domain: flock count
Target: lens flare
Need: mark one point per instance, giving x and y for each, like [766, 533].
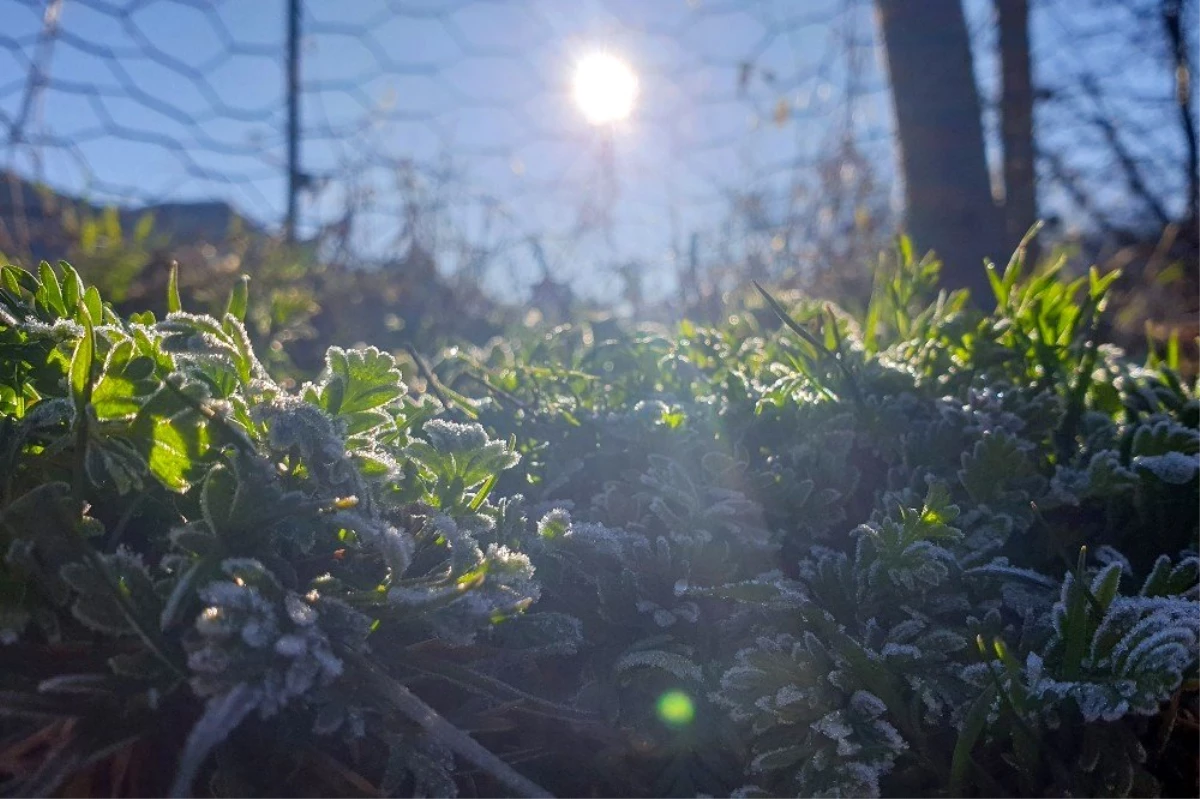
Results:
[606, 88]
[675, 709]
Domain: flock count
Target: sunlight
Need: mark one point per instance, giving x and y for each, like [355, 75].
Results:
[606, 88]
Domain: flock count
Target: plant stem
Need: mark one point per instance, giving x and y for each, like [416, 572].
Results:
[463, 745]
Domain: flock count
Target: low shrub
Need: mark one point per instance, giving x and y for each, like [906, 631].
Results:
[921, 552]
[189, 547]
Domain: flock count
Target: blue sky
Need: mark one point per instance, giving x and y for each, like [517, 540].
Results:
[476, 88]
[484, 83]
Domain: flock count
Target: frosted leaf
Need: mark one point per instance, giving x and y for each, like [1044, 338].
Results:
[840, 679]
[1000, 568]
[765, 703]
[257, 633]
[248, 570]
[603, 540]
[222, 714]
[455, 437]
[60, 330]
[738, 677]
[331, 664]
[208, 661]
[378, 464]
[902, 652]
[943, 641]
[1120, 626]
[749, 792]
[1033, 667]
[848, 748]
[293, 423]
[300, 612]
[299, 678]
[775, 759]
[976, 674]
[1095, 705]
[867, 703]
[213, 622]
[688, 611]
[397, 547]
[554, 524]
[677, 665]
[223, 593]
[1171, 647]
[394, 545]
[290, 646]
[509, 561]
[1164, 579]
[789, 694]
[865, 778]
[1174, 468]
[833, 725]
[1067, 485]
[906, 630]
[1107, 555]
[416, 596]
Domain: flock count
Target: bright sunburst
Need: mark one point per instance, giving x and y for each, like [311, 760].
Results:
[606, 88]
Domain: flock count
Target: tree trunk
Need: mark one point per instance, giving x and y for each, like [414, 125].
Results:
[1016, 114]
[1173, 14]
[949, 206]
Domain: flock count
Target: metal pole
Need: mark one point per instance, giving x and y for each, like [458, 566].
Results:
[293, 118]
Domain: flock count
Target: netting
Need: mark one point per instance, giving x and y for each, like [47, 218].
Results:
[451, 123]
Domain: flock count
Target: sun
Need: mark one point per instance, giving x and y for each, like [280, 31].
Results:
[606, 88]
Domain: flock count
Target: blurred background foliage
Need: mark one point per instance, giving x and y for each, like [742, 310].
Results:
[1081, 113]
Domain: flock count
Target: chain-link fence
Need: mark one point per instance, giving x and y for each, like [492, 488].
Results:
[450, 123]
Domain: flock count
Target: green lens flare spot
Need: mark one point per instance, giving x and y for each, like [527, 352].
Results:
[675, 709]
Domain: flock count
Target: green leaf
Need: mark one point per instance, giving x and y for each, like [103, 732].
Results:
[113, 461]
[239, 298]
[81, 365]
[1075, 628]
[791, 323]
[95, 307]
[1105, 585]
[143, 228]
[482, 494]
[173, 303]
[1166, 579]
[176, 450]
[218, 499]
[184, 590]
[112, 603]
[11, 277]
[126, 382]
[49, 293]
[973, 726]
[72, 288]
[360, 380]
[244, 360]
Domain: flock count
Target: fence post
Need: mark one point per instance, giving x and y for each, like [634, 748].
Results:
[293, 118]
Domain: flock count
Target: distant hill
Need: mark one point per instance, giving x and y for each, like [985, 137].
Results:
[34, 219]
